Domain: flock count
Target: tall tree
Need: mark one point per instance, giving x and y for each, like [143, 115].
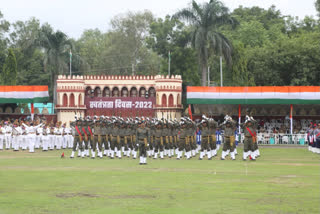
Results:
[4, 28]
[206, 19]
[183, 57]
[57, 46]
[9, 71]
[317, 4]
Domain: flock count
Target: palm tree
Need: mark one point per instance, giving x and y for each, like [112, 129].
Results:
[206, 19]
[56, 48]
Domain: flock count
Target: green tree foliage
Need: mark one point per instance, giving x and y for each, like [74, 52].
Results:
[206, 19]
[172, 35]
[4, 28]
[9, 71]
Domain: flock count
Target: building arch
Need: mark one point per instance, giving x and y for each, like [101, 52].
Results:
[71, 100]
[133, 92]
[158, 100]
[106, 92]
[142, 92]
[65, 100]
[178, 99]
[97, 92]
[170, 103]
[124, 92]
[164, 100]
[152, 92]
[115, 92]
[88, 91]
[80, 100]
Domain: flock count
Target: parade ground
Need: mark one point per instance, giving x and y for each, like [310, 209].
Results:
[282, 180]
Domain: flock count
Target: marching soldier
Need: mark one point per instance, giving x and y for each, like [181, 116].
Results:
[78, 137]
[205, 139]
[250, 138]
[158, 140]
[229, 127]
[97, 139]
[105, 136]
[142, 138]
[182, 138]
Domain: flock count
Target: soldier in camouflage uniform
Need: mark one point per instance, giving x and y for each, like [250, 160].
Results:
[182, 138]
[86, 137]
[229, 127]
[98, 135]
[78, 138]
[165, 136]
[212, 135]
[171, 138]
[142, 138]
[158, 140]
[205, 142]
[134, 127]
[250, 130]
[105, 136]
[116, 137]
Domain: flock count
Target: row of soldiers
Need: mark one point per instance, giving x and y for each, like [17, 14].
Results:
[110, 136]
[26, 134]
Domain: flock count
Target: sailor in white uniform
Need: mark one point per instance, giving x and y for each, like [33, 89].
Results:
[31, 137]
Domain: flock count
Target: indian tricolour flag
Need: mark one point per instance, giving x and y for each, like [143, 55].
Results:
[254, 95]
[24, 94]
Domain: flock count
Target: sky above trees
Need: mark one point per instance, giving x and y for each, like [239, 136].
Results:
[75, 16]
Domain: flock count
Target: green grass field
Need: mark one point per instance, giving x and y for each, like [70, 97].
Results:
[283, 180]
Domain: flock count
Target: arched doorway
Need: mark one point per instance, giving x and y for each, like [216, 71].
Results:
[164, 100]
[71, 100]
[142, 92]
[97, 92]
[152, 92]
[115, 92]
[106, 92]
[80, 100]
[88, 91]
[65, 100]
[124, 92]
[133, 92]
[170, 100]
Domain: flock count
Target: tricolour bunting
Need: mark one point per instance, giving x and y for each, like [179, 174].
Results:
[254, 95]
[24, 94]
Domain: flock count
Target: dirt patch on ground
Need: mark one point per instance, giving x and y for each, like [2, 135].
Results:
[297, 164]
[131, 196]
[89, 195]
[79, 194]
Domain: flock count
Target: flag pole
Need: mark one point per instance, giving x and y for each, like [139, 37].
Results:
[291, 109]
[239, 117]
[32, 111]
[70, 61]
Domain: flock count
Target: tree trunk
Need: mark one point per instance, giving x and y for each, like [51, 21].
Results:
[204, 74]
